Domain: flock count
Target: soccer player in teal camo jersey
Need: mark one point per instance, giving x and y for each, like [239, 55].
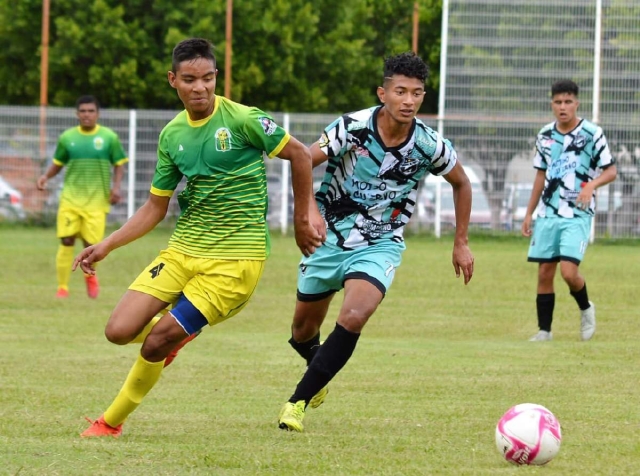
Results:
[572, 160]
[376, 159]
[215, 256]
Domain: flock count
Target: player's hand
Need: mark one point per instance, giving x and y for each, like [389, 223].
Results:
[114, 196]
[317, 221]
[90, 255]
[41, 183]
[463, 261]
[583, 199]
[526, 226]
[307, 237]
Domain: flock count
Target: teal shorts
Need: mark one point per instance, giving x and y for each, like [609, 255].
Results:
[559, 239]
[325, 272]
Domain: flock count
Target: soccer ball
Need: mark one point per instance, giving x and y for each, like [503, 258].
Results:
[528, 434]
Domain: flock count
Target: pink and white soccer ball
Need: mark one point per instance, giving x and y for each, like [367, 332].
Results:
[528, 434]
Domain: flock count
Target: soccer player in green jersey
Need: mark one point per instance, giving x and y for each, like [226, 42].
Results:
[88, 152]
[216, 254]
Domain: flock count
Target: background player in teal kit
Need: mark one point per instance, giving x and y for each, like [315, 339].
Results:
[570, 154]
[216, 254]
[377, 158]
[88, 152]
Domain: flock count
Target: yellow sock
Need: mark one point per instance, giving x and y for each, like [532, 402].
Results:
[142, 377]
[139, 339]
[64, 260]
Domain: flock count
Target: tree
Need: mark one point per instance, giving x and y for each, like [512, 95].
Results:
[297, 55]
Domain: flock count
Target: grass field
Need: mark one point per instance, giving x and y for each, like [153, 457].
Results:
[434, 370]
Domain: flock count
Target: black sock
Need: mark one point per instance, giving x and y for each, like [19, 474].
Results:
[306, 349]
[544, 305]
[329, 359]
[582, 298]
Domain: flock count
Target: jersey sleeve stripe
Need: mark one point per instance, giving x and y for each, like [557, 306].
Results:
[121, 161]
[160, 193]
[283, 142]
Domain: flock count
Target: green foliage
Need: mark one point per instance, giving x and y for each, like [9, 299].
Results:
[288, 55]
[435, 368]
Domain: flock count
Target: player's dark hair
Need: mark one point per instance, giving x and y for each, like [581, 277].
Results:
[407, 64]
[564, 86]
[191, 49]
[88, 99]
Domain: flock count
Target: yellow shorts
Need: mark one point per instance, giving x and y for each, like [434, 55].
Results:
[219, 289]
[89, 225]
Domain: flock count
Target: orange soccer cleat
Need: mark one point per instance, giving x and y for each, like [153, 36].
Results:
[93, 288]
[101, 428]
[62, 293]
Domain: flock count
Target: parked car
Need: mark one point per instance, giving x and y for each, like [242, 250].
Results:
[10, 202]
[515, 203]
[480, 209]
[517, 198]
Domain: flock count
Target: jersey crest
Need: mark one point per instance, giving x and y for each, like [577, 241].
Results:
[223, 139]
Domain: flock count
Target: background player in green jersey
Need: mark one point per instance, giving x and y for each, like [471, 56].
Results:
[216, 254]
[88, 152]
[375, 158]
[572, 160]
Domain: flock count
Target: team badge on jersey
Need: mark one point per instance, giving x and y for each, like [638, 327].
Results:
[268, 125]
[579, 141]
[223, 139]
[98, 143]
[409, 165]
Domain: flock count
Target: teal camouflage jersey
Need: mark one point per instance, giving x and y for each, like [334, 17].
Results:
[369, 191]
[569, 160]
[224, 203]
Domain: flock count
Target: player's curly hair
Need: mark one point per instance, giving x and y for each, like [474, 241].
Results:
[407, 64]
[191, 49]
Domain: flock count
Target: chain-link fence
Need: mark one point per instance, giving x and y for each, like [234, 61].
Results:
[500, 58]
[24, 155]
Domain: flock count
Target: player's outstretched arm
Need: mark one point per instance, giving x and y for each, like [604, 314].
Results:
[142, 222]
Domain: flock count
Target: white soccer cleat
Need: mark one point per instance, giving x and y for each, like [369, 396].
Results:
[541, 336]
[588, 322]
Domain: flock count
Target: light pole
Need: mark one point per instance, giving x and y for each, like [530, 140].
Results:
[44, 78]
[228, 51]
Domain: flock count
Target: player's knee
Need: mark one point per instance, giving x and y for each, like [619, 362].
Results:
[570, 274]
[302, 331]
[157, 346]
[353, 319]
[117, 335]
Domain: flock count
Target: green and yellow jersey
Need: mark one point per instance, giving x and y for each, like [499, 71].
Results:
[224, 203]
[88, 158]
